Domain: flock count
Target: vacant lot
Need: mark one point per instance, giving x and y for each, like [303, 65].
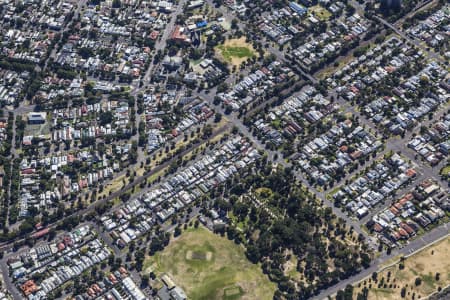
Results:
[208, 266]
[235, 51]
[424, 265]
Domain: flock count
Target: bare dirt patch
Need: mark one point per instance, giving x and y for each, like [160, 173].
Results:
[191, 255]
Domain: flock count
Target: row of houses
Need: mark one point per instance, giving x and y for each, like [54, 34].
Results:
[156, 105]
[118, 285]
[407, 109]
[275, 24]
[419, 209]
[256, 85]
[327, 157]
[330, 43]
[11, 86]
[53, 88]
[138, 215]
[56, 262]
[160, 116]
[90, 121]
[377, 184]
[97, 53]
[3, 131]
[434, 29]
[283, 24]
[433, 144]
[294, 116]
[47, 180]
[410, 100]
[25, 42]
[378, 61]
[196, 114]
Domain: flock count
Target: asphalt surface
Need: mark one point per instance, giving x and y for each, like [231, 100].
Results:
[8, 282]
[414, 246]
[397, 145]
[160, 45]
[414, 42]
[393, 144]
[91, 208]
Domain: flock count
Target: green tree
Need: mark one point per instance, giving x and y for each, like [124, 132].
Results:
[116, 4]
[217, 117]
[418, 281]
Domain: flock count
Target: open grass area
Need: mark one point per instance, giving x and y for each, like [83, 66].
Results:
[291, 268]
[445, 170]
[424, 265]
[208, 266]
[264, 193]
[191, 154]
[319, 12]
[329, 70]
[235, 51]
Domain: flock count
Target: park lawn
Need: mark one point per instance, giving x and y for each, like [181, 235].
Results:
[208, 266]
[240, 225]
[424, 265]
[276, 123]
[112, 186]
[321, 13]
[152, 178]
[264, 193]
[235, 51]
[445, 170]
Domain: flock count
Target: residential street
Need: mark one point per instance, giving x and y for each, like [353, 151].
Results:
[100, 90]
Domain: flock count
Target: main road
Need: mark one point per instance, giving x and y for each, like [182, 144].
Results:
[7, 246]
[411, 41]
[412, 247]
[161, 44]
[437, 233]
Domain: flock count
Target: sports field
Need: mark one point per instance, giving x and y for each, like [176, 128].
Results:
[208, 266]
[235, 51]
